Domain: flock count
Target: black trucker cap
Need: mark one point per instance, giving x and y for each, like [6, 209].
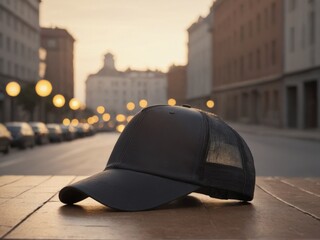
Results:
[167, 152]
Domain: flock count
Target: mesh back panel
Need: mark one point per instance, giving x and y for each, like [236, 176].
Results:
[229, 168]
[223, 148]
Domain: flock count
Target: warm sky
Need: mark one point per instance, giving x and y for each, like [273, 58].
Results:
[140, 33]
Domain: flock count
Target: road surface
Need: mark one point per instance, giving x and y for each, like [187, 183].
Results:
[274, 156]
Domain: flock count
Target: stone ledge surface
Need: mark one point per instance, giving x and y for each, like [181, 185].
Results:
[282, 208]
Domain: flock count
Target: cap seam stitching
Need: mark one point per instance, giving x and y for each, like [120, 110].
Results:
[201, 139]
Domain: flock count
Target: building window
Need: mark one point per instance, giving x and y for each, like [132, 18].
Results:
[16, 70]
[8, 19]
[1, 40]
[15, 24]
[9, 67]
[303, 37]
[273, 13]
[235, 69]
[292, 41]
[292, 5]
[241, 67]
[312, 28]
[250, 28]
[22, 49]
[1, 65]
[8, 44]
[266, 47]
[266, 18]
[242, 33]
[266, 102]
[22, 72]
[258, 59]
[250, 61]
[258, 23]
[273, 52]
[276, 100]
[15, 47]
[51, 43]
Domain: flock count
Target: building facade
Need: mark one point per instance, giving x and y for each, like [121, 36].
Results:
[248, 60]
[177, 83]
[58, 44]
[113, 89]
[302, 64]
[19, 46]
[199, 67]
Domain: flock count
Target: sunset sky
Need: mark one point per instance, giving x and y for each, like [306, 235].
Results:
[141, 33]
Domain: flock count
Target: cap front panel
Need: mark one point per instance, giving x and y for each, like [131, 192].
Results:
[166, 142]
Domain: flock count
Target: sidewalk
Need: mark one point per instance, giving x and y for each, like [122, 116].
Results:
[286, 208]
[313, 135]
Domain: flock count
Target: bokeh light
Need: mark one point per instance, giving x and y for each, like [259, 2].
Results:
[131, 106]
[143, 103]
[58, 100]
[66, 121]
[43, 88]
[101, 109]
[172, 102]
[120, 118]
[120, 128]
[106, 117]
[13, 89]
[210, 103]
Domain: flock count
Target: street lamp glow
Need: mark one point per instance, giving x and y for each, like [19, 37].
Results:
[58, 100]
[13, 89]
[143, 103]
[74, 122]
[120, 118]
[106, 117]
[129, 118]
[172, 102]
[90, 120]
[120, 128]
[66, 121]
[131, 106]
[95, 118]
[43, 88]
[74, 104]
[101, 109]
[210, 104]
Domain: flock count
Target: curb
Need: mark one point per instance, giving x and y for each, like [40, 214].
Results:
[286, 133]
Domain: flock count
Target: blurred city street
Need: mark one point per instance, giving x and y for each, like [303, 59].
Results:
[274, 156]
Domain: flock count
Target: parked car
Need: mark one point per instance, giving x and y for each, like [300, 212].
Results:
[5, 139]
[83, 130]
[22, 134]
[68, 132]
[55, 132]
[92, 130]
[41, 132]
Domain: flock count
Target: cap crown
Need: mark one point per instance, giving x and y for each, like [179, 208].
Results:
[187, 145]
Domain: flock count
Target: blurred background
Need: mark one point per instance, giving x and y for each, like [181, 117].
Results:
[71, 69]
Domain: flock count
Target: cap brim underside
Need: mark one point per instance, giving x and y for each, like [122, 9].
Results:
[126, 190]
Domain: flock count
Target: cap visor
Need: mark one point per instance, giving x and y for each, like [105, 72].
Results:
[126, 190]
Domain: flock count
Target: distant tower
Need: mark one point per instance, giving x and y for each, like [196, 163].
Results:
[109, 61]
